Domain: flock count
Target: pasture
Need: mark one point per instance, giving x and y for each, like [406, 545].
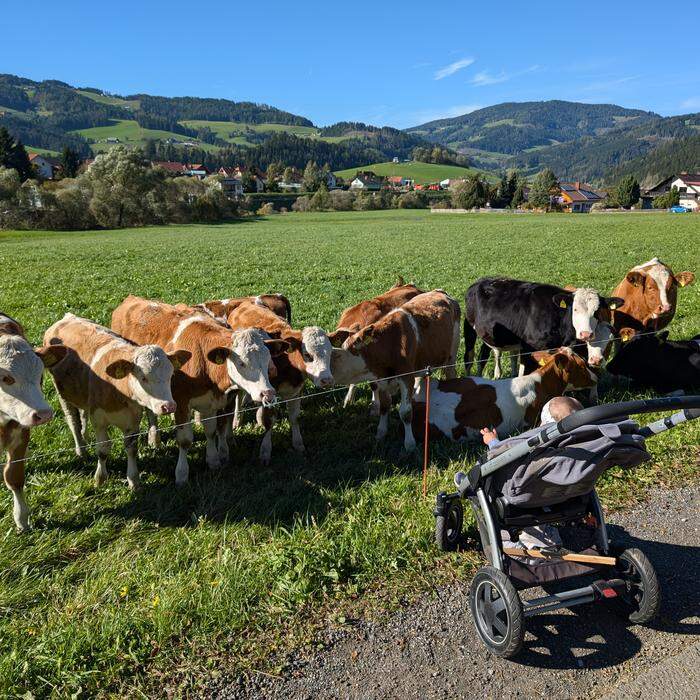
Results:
[421, 173]
[127, 593]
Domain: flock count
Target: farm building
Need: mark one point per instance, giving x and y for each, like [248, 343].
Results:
[44, 167]
[197, 170]
[399, 181]
[172, 167]
[578, 197]
[366, 180]
[232, 187]
[687, 184]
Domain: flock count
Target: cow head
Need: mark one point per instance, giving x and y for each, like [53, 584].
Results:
[638, 356]
[601, 345]
[658, 287]
[149, 373]
[586, 307]
[21, 367]
[569, 367]
[248, 362]
[356, 342]
[315, 350]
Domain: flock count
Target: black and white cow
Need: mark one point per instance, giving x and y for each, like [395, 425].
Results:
[656, 362]
[523, 317]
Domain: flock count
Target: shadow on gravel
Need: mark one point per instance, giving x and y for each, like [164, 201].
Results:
[595, 636]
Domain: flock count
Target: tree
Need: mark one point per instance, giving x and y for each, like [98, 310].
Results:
[249, 181]
[70, 160]
[626, 193]
[503, 195]
[470, 193]
[14, 155]
[519, 194]
[321, 200]
[513, 181]
[312, 176]
[544, 187]
[668, 200]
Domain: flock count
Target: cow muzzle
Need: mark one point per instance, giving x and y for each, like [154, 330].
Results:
[41, 417]
[268, 397]
[167, 407]
[585, 335]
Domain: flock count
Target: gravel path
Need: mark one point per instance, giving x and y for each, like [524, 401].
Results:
[431, 650]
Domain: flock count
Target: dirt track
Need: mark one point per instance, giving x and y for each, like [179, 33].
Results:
[430, 650]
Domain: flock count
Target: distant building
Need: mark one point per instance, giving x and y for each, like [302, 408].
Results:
[197, 170]
[232, 187]
[399, 181]
[395, 159]
[366, 180]
[687, 184]
[449, 183]
[172, 167]
[44, 167]
[578, 197]
[112, 139]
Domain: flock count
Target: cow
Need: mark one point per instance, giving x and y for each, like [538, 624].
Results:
[308, 356]
[524, 317]
[366, 312]
[652, 360]
[22, 405]
[221, 361]
[220, 309]
[460, 407]
[110, 381]
[649, 294]
[423, 332]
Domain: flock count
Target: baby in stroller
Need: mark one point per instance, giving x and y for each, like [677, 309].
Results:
[540, 521]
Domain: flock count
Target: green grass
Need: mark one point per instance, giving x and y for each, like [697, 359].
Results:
[43, 151]
[223, 129]
[109, 100]
[420, 172]
[120, 593]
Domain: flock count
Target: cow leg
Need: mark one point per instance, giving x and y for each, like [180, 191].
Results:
[208, 422]
[14, 478]
[484, 354]
[153, 432]
[224, 433]
[294, 409]
[350, 396]
[83, 423]
[451, 369]
[515, 364]
[183, 437]
[384, 408]
[103, 450]
[239, 410]
[406, 414]
[266, 418]
[131, 441]
[74, 422]
[376, 399]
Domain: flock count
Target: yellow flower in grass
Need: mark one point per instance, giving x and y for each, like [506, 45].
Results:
[124, 592]
[156, 601]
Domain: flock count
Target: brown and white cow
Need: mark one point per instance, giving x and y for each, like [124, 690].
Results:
[460, 407]
[22, 405]
[308, 355]
[220, 309]
[423, 332]
[221, 361]
[650, 293]
[370, 311]
[109, 380]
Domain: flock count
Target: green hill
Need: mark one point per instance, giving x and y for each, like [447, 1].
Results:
[421, 173]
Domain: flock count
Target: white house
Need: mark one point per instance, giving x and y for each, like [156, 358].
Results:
[688, 186]
[43, 167]
[232, 187]
[365, 181]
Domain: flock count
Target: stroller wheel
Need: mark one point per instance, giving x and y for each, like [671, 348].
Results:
[497, 612]
[448, 527]
[640, 600]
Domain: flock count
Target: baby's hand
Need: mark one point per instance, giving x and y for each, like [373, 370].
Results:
[488, 435]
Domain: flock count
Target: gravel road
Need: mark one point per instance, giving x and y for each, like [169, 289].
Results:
[430, 649]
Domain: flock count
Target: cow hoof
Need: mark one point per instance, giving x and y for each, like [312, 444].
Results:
[154, 440]
[299, 447]
[100, 480]
[81, 452]
[374, 410]
[264, 461]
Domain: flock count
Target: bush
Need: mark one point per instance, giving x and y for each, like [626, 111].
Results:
[412, 200]
[342, 200]
[471, 193]
[267, 209]
[301, 204]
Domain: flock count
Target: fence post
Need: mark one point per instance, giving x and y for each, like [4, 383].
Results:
[426, 435]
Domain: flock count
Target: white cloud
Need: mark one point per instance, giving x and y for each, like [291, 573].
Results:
[691, 103]
[431, 115]
[485, 78]
[453, 68]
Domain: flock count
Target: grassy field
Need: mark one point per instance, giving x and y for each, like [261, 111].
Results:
[109, 100]
[120, 593]
[223, 129]
[420, 172]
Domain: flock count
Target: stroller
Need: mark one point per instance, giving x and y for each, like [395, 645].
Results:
[543, 482]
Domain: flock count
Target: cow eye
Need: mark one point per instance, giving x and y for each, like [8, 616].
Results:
[306, 356]
[8, 380]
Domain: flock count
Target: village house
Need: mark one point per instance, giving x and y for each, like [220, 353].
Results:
[399, 182]
[197, 170]
[366, 180]
[687, 184]
[232, 187]
[578, 197]
[44, 167]
[171, 167]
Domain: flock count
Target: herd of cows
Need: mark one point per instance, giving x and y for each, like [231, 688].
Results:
[214, 357]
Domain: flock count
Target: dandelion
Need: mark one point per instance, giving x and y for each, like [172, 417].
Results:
[124, 592]
[156, 601]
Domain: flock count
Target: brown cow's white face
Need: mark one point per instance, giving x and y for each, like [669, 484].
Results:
[21, 368]
[659, 286]
[316, 352]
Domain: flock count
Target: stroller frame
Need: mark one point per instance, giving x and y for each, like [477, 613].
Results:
[494, 599]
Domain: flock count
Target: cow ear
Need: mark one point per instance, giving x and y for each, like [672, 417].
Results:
[635, 277]
[51, 355]
[179, 358]
[685, 278]
[561, 360]
[119, 369]
[626, 334]
[218, 355]
[613, 302]
[368, 334]
[541, 357]
[662, 337]
[293, 344]
[277, 346]
[563, 301]
[338, 337]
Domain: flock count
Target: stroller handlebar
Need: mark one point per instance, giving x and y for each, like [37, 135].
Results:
[595, 414]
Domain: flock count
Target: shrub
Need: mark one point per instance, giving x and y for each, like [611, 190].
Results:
[301, 204]
[267, 209]
[412, 200]
[342, 200]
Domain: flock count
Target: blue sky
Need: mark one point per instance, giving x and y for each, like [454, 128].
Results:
[395, 63]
